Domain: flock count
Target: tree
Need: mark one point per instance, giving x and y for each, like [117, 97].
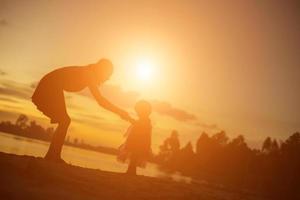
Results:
[188, 149]
[170, 148]
[273, 170]
[220, 138]
[172, 143]
[186, 159]
[267, 144]
[274, 147]
[239, 141]
[202, 144]
[50, 131]
[21, 121]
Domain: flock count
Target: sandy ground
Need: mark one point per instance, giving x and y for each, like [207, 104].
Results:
[26, 177]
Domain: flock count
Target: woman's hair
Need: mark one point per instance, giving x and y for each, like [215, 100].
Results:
[103, 69]
[143, 108]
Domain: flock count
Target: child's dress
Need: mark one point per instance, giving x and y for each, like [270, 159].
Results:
[138, 143]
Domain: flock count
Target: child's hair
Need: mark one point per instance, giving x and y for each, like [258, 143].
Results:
[143, 108]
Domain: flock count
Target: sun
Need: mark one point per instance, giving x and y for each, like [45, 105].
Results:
[145, 70]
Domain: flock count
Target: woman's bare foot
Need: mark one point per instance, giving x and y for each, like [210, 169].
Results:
[55, 159]
[131, 172]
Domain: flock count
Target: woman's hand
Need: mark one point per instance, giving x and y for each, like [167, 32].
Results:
[124, 115]
[109, 106]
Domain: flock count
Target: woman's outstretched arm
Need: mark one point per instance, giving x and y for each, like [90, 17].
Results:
[107, 105]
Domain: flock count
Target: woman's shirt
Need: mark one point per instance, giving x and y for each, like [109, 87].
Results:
[71, 79]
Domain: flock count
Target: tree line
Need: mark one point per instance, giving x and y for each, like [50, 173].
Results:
[25, 127]
[272, 170]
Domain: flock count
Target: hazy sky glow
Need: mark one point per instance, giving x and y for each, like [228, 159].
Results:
[216, 66]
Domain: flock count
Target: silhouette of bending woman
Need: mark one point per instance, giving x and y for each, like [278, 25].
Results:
[49, 97]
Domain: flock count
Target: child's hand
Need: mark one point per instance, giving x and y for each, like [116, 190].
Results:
[124, 115]
[131, 120]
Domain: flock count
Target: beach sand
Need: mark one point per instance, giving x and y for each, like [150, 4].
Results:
[26, 177]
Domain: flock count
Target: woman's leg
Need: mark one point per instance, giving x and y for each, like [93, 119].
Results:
[132, 165]
[58, 139]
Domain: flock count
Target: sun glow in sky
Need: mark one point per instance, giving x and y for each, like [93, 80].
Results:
[145, 70]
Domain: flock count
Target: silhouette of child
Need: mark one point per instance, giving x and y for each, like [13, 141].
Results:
[49, 97]
[137, 147]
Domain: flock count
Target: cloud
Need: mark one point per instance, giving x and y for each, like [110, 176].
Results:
[12, 92]
[165, 108]
[207, 126]
[33, 85]
[96, 121]
[3, 22]
[8, 99]
[14, 89]
[2, 73]
[5, 115]
[127, 99]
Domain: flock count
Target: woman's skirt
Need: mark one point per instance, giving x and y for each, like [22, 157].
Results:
[50, 100]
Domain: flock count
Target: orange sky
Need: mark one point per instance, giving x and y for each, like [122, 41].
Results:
[217, 66]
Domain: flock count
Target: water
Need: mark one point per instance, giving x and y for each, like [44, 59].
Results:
[84, 158]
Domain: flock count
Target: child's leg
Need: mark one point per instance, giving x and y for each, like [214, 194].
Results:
[132, 165]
